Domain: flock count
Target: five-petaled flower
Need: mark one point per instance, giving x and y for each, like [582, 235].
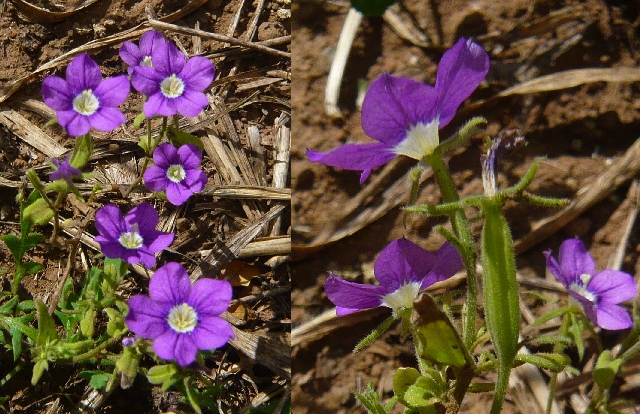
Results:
[64, 171]
[132, 238]
[598, 293]
[176, 171]
[84, 100]
[403, 270]
[180, 318]
[404, 115]
[173, 85]
[142, 54]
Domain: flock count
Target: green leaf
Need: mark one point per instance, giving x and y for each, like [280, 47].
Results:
[114, 272]
[47, 332]
[7, 307]
[179, 138]
[166, 375]
[419, 397]
[15, 246]
[372, 402]
[20, 324]
[606, 369]
[116, 324]
[38, 212]
[552, 362]
[97, 379]
[38, 369]
[87, 324]
[371, 7]
[404, 378]
[16, 342]
[435, 336]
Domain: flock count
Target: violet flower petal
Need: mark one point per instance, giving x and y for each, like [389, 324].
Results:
[613, 317]
[613, 286]
[130, 53]
[460, 71]
[157, 241]
[168, 59]
[212, 333]
[165, 155]
[359, 157]
[157, 104]
[83, 73]
[146, 318]
[170, 284]
[109, 221]
[145, 216]
[106, 119]
[113, 91]
[146, 80]
[402, 262]
[74, 123]
[350, 297]
[393, 105]
[155, 178]
[191, 103]
[448, 263]
[190, 156]
[198, 73]
[64, 170]
[56, 94]
[210, 296]
[175, 346]
[575, 260]
[148, 42]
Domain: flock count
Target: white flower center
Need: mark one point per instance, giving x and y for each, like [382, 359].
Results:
[172, 87]
[132, 239]
[176, 173]
[581, 288]
[86, 103]
[146, 61]
[182, 318]
[403, 297]
[421, 140]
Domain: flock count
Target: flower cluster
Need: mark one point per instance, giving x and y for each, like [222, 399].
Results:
[598, 293]
[84, 100]
[171, 83]
[181, 318]
[403, 270]
[404, 116]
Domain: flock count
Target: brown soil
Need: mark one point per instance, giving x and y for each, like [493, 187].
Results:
[260, 82]
[580, 130]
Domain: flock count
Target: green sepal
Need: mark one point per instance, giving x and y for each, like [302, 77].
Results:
[550, 340]
[47, 332]
[501, 300]
[551, 361]
[116, 324]
[468, 130]
[435, 337]
[179, 137]
[128, 363]
[81, 151]
[375, 334]
[166, 374]
[87, 324]
[606, 369]
[138, 120]
[38, 212]
[372, 7]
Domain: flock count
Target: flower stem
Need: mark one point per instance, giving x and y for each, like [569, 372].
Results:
[463, 232]
[558, 348]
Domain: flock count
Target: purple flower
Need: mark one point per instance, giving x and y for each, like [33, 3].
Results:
[64, 171]
[84, 99]
[180, 318]
[176, 170]
[403, 270]
[173, 85]
[141, 55]
[404, 116]
[132, 238]
[599, 294]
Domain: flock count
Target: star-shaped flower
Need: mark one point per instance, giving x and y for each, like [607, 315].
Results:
[141, 55]
[176, 171]
[132, 238]
[173, 85]
[84, 100]
[403, 270]
[598, 293]
[181, 318]
[404, 115]
[64, 171]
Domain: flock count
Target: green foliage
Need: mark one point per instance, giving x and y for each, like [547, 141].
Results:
[81, 151]
[371, 401]
[166, 374]
[97, 379]
[422, 393]
[606, 369]
[551, 361]
[178, 138]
